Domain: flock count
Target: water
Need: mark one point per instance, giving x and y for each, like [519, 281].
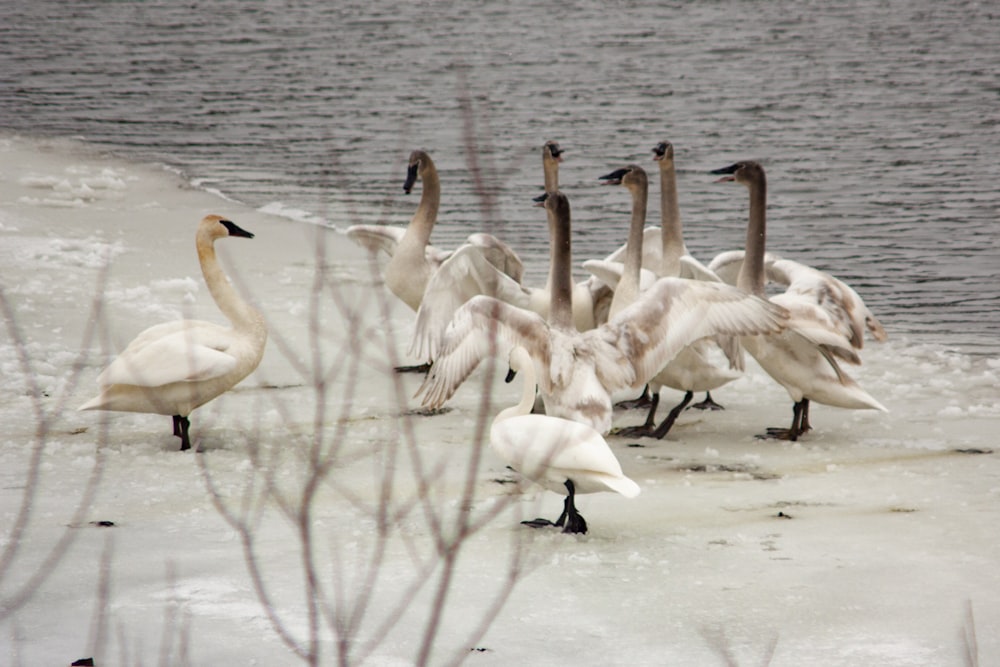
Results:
[877, 121]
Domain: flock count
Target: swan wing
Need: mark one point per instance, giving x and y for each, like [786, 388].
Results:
[610, 273]
[386, 238]
[652, 249]
[844, 306]
[483, 326]
[499, 254]
[675, 313]
[465, 274]
[189, 354]
[692, 269]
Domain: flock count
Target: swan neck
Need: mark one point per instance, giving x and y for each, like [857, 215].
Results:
[671, 232]
[427, 210]
[236, 310]
[550, 168]
[751, 278]
[633, 248]
[560, 273]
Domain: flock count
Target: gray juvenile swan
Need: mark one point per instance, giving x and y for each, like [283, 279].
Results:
[175, 367]
[827, 321]
[577, 371]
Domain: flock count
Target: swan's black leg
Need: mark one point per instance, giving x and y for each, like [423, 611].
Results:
[646, 428]
[419, 368]
[664, 428]
[640, 402]
[575, 523]
[707, 404]
[181, 425]
[804, 424]
[795, 430]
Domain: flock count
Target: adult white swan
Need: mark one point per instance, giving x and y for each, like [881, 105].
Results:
[175, 367]
[577, 371]
[826, 322]
[558, 454]
[412, 260]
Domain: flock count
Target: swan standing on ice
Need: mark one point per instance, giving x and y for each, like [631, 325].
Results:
[558, 454]
[577, 371]
[412, 260]
[691, 370]
[826, 323]
[175, 367]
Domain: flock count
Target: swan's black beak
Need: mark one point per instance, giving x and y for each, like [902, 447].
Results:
[615, 177]
[540, 202]
[510, 375]
[727, 173]
[556, 152]
[659, 151]
[235, 230]
[411, 177]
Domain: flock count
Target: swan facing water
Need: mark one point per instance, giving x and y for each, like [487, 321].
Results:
[827, 320]
[558, 454]
[175, 367]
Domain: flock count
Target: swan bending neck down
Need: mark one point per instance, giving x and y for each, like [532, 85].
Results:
[560, 455]
[175, 367]
[803, 358]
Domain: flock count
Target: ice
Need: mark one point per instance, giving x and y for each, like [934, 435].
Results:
[867, 542]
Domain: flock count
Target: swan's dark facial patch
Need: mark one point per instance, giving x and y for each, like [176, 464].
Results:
[555, 150]
[659, 151]
[411, 177]
[731, 169]
[235, 230]
[511, 374]
[615, 177]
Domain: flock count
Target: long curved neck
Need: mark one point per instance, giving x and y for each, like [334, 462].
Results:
[751, 278]
[671, 232]
[238, 311]
[425, 216]
[560, 272]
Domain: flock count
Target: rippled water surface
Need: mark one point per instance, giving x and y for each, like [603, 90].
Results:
[878, 122]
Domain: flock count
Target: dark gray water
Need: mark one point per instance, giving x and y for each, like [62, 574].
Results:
[878, 121]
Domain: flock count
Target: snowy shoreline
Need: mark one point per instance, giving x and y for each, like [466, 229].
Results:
[861, 544]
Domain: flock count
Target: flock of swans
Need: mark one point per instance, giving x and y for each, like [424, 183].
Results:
[650, 316]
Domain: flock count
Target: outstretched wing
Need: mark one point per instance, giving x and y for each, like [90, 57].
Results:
[675, 313]
[467, 273]
[481, 327]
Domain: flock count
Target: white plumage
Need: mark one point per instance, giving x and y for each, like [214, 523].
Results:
[175, 367]
[563, 456]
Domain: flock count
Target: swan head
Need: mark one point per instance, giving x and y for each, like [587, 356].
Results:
[663, 153]
[217, 227]
[552, 151]
[557, 205]
[418, 165]
[631, 176]
[518, 360]
[747, 172]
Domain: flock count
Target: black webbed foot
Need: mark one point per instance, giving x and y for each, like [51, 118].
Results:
[707, 404]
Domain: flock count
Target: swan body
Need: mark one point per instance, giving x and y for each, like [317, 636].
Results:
[577, 371]
[558, 454]
[175, 367]
[826, 322]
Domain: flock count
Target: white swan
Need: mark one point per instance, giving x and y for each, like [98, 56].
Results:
[826, 321]
[467, 274]
[175, 367]
[560, 455]
[577, 371]
[692, 369]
